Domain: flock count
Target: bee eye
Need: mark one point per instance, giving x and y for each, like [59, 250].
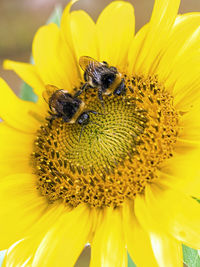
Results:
[107, 80]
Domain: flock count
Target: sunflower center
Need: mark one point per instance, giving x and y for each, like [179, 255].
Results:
[113, 156]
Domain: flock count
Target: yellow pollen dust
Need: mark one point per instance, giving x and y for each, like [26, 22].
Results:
[117, 153]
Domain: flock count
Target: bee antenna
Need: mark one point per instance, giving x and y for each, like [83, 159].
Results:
[81, 133]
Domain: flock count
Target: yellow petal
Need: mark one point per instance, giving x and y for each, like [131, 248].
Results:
[179, 66]
[186, 146]
[186, 89]
[143, 214]
[21, 206]
[179, 215]
[185, 82]
[64, 242]
[162, 19]
[14, 166]
[53, 58]
[18, 253]
[23, 251]
[66, 27]
[190, 125]
[167, 251]
[135, 48]
[82, 29]
[115, 30]
[189, 133]
[177, 44]
[137, 240]
[182, 172]
[17, 112]
[14, 144]
[27, 73]
[108, 245]
[16, 148]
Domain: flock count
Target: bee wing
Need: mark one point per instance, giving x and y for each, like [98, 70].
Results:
[50, 89]
[89, 64]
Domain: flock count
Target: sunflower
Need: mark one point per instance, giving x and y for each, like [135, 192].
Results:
[128, 179]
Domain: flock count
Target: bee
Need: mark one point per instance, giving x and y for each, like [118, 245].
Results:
[66, 106]
[100, 75]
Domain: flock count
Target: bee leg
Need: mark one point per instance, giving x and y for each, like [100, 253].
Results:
[100, 96]
[86, 89]
[81, 132]
[79, 92]
[51, 119]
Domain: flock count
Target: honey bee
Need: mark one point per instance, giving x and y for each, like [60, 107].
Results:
[100, 75]
[63, 105]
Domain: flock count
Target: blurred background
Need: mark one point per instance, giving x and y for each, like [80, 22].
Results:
[20, 19]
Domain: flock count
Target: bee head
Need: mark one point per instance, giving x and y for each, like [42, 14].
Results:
[83, 119]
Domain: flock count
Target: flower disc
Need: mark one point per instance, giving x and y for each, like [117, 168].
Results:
[116, 154]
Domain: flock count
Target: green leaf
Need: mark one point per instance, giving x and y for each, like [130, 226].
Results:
[191, 257]
[27, 93]
[56, 15]
[198, 200]
[130, 262]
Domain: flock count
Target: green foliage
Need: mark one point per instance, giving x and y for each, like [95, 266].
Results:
[130, 262]
[191, 257]
[56, 15]
[198, 200]
[26, 93]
